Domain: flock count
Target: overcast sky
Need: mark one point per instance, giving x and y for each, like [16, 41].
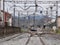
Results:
[43, 7]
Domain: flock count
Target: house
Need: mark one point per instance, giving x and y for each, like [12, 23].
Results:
[6, 16]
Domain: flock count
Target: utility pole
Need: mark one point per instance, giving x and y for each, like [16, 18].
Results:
[25, 4]
[4, 18]
[3, 12]
[28, 19]
[56, 12]
[35, 11]
[13, 19]
[51, 12]
[47, 15]
[19, 21]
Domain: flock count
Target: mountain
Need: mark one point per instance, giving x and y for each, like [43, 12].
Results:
[39, 20]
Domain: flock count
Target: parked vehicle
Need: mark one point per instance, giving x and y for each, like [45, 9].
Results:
[33, 28]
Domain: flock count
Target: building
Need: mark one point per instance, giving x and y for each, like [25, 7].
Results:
[6, 16]
[58, 21]
[0, 15]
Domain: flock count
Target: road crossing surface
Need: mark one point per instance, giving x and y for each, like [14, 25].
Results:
[27, 39]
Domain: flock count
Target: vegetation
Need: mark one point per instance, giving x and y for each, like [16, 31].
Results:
[58, 31]
[52, 24]
[23, 30]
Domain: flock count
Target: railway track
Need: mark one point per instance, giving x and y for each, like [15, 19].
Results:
[39, 35]
[18, 37]
[7, 39]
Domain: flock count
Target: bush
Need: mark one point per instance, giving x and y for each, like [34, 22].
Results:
[58, 31]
